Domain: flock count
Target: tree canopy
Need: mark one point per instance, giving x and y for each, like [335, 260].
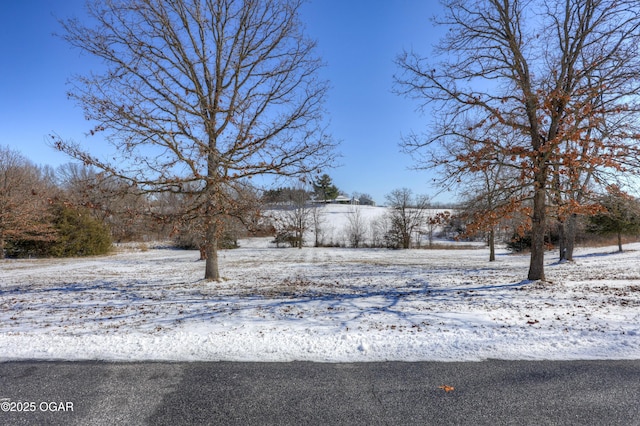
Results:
[560, 78]
[200, 96]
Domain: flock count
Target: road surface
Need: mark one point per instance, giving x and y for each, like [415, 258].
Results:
[300, 393]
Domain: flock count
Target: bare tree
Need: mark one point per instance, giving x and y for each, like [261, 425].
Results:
[293, 221]
[406, 216]
[433, 222]
[24, 195]
[199, 96]
[492, 193]
[318, 219]
[379, 229]
[356, 227]
[188, 221]
[550, 72]
[111, 200]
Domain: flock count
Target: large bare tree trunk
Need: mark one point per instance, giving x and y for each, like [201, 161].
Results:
[571, 235]
[562, 240]
[492, 245]
[620, 242]
[211, 271]
[536, 263]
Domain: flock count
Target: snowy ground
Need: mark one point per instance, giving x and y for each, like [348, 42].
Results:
[328, 305]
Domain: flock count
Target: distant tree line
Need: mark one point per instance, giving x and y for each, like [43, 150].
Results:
[407, 221]
[413, 221]
[321, 189]
[76, 211]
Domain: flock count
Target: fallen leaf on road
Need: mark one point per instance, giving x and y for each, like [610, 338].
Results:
[446, 388]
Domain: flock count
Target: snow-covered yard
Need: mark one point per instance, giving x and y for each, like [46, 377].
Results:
[320, 304]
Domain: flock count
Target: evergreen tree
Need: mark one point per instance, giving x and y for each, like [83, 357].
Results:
[79, 234]
[324, 188]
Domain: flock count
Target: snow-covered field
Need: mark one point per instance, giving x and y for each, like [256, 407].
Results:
[334, 222]
[320, 304]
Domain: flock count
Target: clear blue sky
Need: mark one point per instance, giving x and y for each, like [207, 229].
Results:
[358, 39]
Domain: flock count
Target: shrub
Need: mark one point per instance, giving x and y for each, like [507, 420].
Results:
[519, 243]
[192, 241]
[79, 234]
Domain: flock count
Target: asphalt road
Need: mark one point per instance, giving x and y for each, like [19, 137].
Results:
[392, 393]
